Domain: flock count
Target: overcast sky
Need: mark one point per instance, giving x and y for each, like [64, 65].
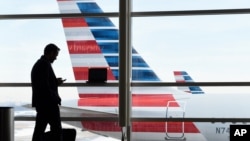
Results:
[210, 48]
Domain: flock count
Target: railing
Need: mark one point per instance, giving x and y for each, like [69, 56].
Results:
[139, 84]
[142, 119]
[133, 14]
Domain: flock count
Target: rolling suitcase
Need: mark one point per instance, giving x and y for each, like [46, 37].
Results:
[68, 135]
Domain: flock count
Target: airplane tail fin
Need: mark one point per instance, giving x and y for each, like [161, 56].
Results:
[184, 77]
[94, 42]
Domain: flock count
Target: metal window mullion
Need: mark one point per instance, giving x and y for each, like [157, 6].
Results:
[125, 66]
[133, 14]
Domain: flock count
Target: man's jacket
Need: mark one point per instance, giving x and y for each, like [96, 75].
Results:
[44, 84]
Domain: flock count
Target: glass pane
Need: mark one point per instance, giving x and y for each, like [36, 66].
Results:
[28, 7]
[202, 131]
[209, 48]
[51, 6]
[22, 43]
[84, 42]
[165, 5]
[185, 49]
[159, 103]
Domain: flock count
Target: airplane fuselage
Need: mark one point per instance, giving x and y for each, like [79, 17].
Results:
[203, 106]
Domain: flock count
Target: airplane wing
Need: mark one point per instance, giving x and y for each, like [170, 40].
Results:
[94, 42]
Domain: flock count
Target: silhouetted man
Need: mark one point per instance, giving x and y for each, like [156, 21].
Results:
[45, 97]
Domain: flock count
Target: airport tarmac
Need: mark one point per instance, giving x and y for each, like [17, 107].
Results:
[24, 130]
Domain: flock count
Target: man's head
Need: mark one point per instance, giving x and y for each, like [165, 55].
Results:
[51, 52]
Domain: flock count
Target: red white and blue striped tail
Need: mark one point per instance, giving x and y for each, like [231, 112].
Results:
[184, 77]
[93, 42]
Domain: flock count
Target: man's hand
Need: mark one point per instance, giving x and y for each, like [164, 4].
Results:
[60, 80]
